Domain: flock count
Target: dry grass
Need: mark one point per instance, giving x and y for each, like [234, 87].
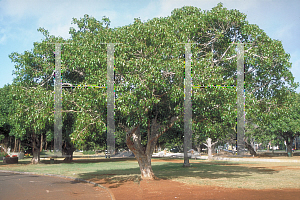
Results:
[246, 175]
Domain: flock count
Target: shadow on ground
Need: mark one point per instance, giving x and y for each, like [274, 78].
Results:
[26, 162]
[169, 170]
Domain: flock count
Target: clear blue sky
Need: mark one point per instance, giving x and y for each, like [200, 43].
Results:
[20, 19]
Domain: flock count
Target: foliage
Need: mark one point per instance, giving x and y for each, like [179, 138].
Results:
[149, 78]
[3, 154]
[278, 119]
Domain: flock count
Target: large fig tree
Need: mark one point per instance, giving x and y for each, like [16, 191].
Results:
[149, 75]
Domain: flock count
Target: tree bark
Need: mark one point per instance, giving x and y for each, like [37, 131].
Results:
[250, 148]
[143, 157]
[36, 156]
[35, 150]
[209, 146]
[15, 147]
[41, 145]
[142, 153]
[209, 152]
[199, 149]
[289, 146]
[68, 150]
[145, 166]
[46, 145]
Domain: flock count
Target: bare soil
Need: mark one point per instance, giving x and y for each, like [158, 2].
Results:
[169, 189]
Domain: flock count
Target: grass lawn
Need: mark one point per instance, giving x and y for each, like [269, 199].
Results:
[252, 175]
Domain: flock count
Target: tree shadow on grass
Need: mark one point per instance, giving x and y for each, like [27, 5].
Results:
[47, 161]
[169, 170]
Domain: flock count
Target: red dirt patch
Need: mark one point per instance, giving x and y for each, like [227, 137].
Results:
[167, 189]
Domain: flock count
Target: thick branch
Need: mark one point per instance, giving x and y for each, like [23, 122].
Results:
[262, 57]
[130, 143]
[214, 143]
[165, 128]
[215, 61]
[69, 111]
[226, 51]
[48, 79]
[136, 137]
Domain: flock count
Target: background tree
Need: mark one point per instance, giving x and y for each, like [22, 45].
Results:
[31, 116]
[278, 119]
[33, 95]
[5, 126]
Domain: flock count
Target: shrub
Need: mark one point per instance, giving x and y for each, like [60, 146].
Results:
[3, 154]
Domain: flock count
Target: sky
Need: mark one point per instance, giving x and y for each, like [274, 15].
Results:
[20, 19]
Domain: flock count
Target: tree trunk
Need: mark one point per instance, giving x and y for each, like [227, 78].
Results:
[36, 156]
[46, 145]
[250, 148]
[289, 146]
[209, 149]
[35, 150]
[68, 150]
[41, 145]
[199, 148]
[142, 153]
[19, 145]
[209, 146]
[15, 147]
[145, 166]
[10, 143]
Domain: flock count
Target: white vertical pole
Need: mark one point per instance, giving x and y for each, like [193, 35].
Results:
[240, 100]
[57, 103]
[187, 105]
[110, 100]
